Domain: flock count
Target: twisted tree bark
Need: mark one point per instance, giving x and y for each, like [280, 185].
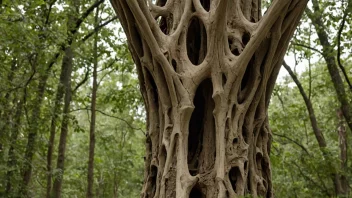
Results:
[207, 69]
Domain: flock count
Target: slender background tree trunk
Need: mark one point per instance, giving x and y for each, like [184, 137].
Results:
[90, 177]
[68, 58]
[338, 179]
[57, 111]
[342, 186]
[329, 56]
[32, 134]
[12, 159]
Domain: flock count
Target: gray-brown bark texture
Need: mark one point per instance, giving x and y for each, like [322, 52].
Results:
[207, 69]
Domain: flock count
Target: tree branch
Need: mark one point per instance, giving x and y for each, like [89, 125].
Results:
[96, 29]
[112, 116]
[342, 24]
[317, 132]
[330, 59]
[82, 81]
[49, 11]
[85, 15]
[294, 141]
[73, 31]
[308, 47]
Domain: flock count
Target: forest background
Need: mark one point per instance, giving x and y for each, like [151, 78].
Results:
[72, 119]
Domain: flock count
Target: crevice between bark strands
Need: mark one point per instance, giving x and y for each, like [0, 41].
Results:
[165, 23]
[196, 41]
[161, 2]
[235, 177]
[205, 4]
[201, 138]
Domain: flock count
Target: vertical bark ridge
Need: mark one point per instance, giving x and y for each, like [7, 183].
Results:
[206, 70]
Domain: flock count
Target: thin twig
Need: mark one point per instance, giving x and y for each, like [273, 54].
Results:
[82, 81]
[85, 15]
[292, 140]
[98, 28]
[308, 47]
[112, 116]
[317, 132]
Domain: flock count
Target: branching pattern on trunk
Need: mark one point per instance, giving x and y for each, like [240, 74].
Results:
[206, 71]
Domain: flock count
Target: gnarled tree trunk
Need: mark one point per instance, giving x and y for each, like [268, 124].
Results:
[207, 69]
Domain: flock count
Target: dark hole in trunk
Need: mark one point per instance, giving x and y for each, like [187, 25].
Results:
[246, 76]
[245, 38]
[193, 9]
[162, 21]
[235, 141]
[149, 147]
[248, 80]
[196, 192]
[153, 174]
[258, 159]
[265, 168]
[244, 133]
[235, 52]
[161, 2]
[232, 47]
[205, 4]
[174, 64]
[196, 41]
[203, 105]
[248, 182]
[154, 88]
[253, 20]
[162, 157]
[235, 177]
[224, 79]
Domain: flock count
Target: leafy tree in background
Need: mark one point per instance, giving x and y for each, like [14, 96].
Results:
[38, 44]
[312, 41]
[301, 167]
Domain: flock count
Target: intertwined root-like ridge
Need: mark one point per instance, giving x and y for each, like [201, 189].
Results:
[207, 69]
